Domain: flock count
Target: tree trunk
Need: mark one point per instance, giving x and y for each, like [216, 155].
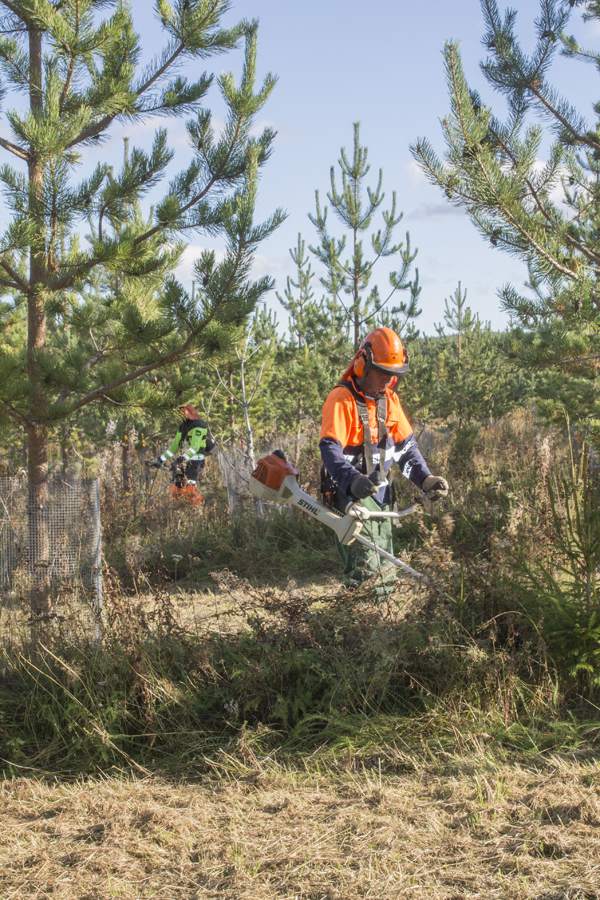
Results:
[231, 403]
[37, 429]
[127, 459]
[64, 453]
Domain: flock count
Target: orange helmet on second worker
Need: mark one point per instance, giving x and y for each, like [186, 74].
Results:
[382, 349]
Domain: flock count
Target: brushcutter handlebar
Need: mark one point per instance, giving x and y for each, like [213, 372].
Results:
[275, 479]
[364, 514]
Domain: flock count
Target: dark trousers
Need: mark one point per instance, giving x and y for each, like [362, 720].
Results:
[193, 469]
[361, 563]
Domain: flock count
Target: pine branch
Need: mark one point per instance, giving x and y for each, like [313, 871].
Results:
[172, 356]
[456, 78]
[17, 282]
[71, 66]
[14, 149]
[15, 413]
[575, 135]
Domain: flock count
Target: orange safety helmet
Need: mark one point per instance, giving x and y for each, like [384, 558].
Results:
[189, 412]
[381, 349]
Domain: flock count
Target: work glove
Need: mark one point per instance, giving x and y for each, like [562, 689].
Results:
[435, 487]
[362, 487]
[378, 477]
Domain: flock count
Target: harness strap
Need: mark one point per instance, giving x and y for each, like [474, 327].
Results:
[363, 413]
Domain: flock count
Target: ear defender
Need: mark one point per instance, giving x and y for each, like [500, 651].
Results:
[362, 363]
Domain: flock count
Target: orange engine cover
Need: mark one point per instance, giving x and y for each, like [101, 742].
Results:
[188, 494]
[271, 471]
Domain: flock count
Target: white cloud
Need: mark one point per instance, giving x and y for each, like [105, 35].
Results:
[592, 27]
[414, 171]
[185, 268]
[142, 131]
[433, 210]
[275, 266]
[557, 194]
[258, 127]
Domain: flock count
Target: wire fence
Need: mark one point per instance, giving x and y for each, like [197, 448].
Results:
[69, 528]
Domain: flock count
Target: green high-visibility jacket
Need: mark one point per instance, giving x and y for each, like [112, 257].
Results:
[195, 433]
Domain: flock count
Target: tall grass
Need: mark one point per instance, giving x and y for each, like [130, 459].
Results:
[301, 676]
[501, 648]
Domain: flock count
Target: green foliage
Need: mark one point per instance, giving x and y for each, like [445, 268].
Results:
[493, 170]
[302, 670]
[562, 589]
[283, 546]
[464, 377]
[108, 310]
[328, 677]
[347, 278]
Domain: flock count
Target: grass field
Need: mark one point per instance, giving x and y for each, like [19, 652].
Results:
[394, 770]
[465, 828]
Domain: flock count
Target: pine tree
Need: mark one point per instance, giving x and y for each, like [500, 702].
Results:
[298, 298]
[547, 214]
[80, 73]
[476, 384]
[314, 354]
[347, 277]
[462, 378]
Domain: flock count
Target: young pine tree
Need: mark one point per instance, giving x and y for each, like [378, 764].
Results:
[313, 356]
[476, 383]
[79, 71]
[545, 212]
[349, 267]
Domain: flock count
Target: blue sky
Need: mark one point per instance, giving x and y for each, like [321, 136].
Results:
[340, 61]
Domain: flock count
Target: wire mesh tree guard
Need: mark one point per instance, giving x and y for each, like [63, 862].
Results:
[70, 527]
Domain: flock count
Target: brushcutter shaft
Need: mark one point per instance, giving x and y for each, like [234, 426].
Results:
[390, 557]
[276, 480]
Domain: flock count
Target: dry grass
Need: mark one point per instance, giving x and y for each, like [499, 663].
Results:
[483, 831]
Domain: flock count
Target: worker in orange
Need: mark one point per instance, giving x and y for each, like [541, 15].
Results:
[364, 431]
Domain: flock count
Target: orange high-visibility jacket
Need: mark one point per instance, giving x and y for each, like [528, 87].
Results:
[342, 440]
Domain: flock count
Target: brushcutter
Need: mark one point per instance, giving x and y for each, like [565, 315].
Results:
[275, 479]
[180, 489]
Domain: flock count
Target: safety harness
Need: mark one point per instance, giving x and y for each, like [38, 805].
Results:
[363, 414]
[328, 485]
